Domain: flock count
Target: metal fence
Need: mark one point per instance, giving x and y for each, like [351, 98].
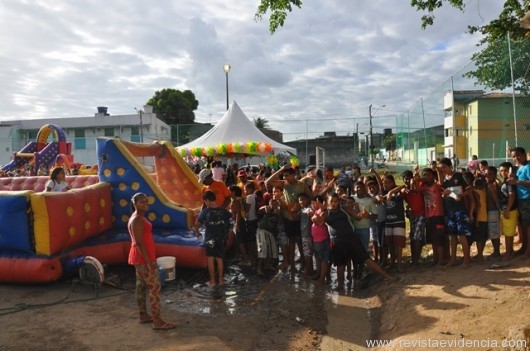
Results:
[463, 125]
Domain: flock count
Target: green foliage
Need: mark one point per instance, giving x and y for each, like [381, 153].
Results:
[261, 123]
[174, 106]
[493, 65]
[278, 9]
[430, 6]
[389, 142]
[507, 22]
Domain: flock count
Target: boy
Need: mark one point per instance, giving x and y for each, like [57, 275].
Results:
[459, 226]
[415, 203]
[508, 204]
[217, 222]
[346, 245]
[395, 221]
[492, 202]
[266, 234]
[434, 213]
[305, 228]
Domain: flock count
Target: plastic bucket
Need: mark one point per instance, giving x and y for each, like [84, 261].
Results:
[168, 264]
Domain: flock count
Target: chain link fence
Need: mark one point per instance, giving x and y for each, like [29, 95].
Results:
[460, 119]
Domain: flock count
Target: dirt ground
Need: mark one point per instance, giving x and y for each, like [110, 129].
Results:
[282, 312]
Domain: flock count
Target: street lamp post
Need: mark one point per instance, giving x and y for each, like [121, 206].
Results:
[372, 146]
[226, 68]
[140, 112]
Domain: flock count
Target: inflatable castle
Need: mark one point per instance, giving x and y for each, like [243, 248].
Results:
[41, 233]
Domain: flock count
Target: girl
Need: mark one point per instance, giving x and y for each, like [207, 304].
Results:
[57, 182]
[142, 256]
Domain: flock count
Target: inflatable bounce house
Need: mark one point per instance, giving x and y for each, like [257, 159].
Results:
[43, 152]
[42, 233]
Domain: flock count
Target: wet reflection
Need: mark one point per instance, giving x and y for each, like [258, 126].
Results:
[244, 289]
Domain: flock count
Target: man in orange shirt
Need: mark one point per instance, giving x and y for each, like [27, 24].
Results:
[222, 194]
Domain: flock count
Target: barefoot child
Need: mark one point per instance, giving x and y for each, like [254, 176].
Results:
[217, 222]
[320, 237]
[345, 244]
[266, 235]
[509, 212]
[306, 212]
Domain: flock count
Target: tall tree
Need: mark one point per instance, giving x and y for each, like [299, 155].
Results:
[509, 20]
[174, 106]
[492, 62]
[493, 66]
[261, 123]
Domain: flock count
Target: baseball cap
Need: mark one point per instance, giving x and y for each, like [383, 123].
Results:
[203, 174]
[242, 173]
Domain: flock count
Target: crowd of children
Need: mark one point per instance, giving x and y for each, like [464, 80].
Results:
[352, 221]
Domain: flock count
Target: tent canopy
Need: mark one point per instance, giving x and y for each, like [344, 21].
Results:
[233, 134]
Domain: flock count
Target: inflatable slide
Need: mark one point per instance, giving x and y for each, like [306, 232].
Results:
[42, 233]
[42, 152]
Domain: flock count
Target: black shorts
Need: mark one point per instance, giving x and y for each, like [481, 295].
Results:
[344, 251]
[480, 232]
[435, 231]
[292, 228]
[246, 231]
[215, 246]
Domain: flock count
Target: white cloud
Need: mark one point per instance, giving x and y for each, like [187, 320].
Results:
[331, 60]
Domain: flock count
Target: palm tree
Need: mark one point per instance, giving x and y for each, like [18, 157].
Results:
[261, 123]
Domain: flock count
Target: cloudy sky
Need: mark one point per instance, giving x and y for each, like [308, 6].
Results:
[330, 61]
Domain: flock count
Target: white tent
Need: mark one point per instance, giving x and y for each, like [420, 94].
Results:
[234, 134]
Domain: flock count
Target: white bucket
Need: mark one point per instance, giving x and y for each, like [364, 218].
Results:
[168, 263]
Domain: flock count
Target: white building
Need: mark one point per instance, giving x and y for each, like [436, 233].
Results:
[82, 132]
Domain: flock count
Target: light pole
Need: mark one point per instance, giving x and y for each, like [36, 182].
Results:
[226, 68]
[140, 112]
[372, 146]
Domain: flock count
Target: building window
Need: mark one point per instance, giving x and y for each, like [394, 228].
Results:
[449, 132]
[470, 109]
[470, 130]
[32, 134]
[135, 134]
[109, 132]
[79, 139]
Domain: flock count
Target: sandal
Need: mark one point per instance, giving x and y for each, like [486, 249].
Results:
[164, 326]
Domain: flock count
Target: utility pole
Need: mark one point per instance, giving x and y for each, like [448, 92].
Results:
[371, 146]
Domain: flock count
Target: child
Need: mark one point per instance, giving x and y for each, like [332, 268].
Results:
[434, 213]
[320, 238]
[492, 202]
[305, 228]
[395, 221]
[251, 218]
[377, 226]
[510, 213]
[217, 222]
[237, 208]
[57, 182]
[345, 245]
[478, 214]
[458, 225]
[266, 234]
[415, 203]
